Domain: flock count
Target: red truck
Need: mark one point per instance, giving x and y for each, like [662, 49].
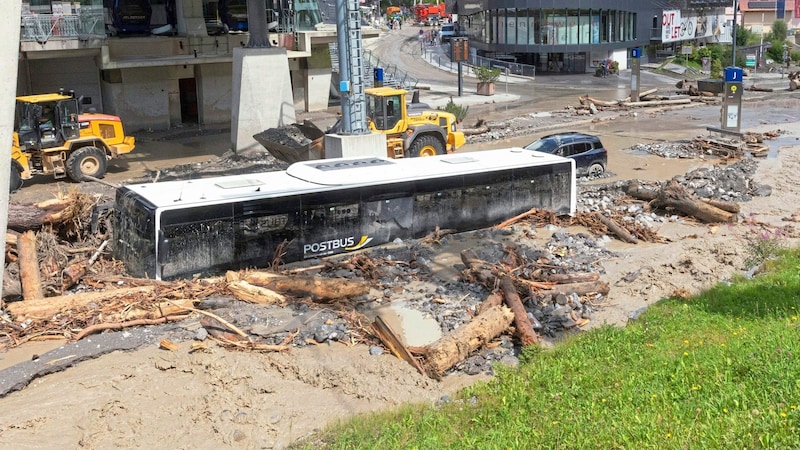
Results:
[430, 14]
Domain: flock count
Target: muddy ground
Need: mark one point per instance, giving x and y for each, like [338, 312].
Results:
[154, 398]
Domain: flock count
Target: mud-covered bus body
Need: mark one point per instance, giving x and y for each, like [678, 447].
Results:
[180, 229]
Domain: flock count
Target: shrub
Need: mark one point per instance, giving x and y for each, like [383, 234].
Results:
[457, 110]
[716, 68]
[486, 74]
[761, 246]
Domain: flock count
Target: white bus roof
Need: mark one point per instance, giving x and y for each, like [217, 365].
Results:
[329, 174]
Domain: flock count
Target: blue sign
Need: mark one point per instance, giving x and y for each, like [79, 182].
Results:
[636, 52]
[780, 9]
[733, 74]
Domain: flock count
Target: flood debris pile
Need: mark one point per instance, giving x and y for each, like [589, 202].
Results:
[794, 80]
[52, 244]
[488, 131]
[750, 144]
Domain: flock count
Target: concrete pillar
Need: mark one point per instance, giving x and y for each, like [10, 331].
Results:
[317, 89]
[317, 79]
[9, 54]
[262, 94]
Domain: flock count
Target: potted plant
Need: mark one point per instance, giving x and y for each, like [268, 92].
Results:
[486, 78]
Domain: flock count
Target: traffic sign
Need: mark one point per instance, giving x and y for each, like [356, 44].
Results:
[733, 74]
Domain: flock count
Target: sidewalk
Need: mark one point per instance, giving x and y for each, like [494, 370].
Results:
[439, 94]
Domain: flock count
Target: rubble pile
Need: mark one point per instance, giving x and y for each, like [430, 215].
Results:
[521, 126]
[549, 279]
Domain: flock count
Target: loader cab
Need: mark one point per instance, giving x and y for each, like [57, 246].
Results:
[46, 121]
[385, 108]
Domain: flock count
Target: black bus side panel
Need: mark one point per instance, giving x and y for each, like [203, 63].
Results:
[546, 187]
[197, 241]
[135, 234]
[387, 212]
[265, 226]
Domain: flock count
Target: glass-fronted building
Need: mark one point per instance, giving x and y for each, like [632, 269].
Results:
[574, 36]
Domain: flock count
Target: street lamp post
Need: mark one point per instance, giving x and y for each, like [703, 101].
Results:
[786, 54]
[733, 33]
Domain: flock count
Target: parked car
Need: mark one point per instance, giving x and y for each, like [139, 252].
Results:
[591, 158]
[448, 32]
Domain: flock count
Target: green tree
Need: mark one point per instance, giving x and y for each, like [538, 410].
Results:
[716, 69]
[745, 36]
[779, 31]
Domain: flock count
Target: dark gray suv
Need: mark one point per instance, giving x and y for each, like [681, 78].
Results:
[591, 158]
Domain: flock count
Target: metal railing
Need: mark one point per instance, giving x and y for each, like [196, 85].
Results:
[44, 27]
[392, 75]
[514, 68]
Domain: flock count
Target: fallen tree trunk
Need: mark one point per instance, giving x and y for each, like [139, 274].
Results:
[565, 278]
[678, 101]
[490, 276]
[673, 195]
[255, 294]
[640, 192]
[731, 207]
[45, 308]
[29, 267]
[322, 290]
[494, 299]
[457, 346]
[522, 323]
[600, 287]
[615, 228]
[597, 102]
[23, 217]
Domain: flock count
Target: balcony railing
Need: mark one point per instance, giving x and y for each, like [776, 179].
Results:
[44, 27]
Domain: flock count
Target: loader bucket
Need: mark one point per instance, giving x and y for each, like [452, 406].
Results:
[293, 143]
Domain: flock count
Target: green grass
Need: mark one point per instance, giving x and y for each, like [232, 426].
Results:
[718, 371]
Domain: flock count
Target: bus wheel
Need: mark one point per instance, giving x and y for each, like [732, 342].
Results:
[426, 146]
[86, 161]
[15, 181]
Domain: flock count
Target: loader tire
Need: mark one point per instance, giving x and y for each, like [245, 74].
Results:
[85, 161]
[15, 182]
[426, 146]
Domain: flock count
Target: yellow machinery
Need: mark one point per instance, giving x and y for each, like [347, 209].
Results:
[411, 129]
[52, 137]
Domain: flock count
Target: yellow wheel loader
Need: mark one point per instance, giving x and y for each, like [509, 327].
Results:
[411, 129]
[52, 137]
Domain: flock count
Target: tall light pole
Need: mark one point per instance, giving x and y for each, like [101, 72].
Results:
[733, 33]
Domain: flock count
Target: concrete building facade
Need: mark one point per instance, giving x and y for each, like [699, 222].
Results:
[176, 72]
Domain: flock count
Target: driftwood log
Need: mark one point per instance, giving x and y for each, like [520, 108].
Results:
[492, 275]
[321, 290]
[673, 195]
[457, 345]
[589, 287]
[45, 308]
[29, 267]
[616, 228]
[578, 277]
[27, 216]
[250, 293]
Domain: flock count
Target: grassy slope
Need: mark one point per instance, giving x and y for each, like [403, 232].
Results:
[721, 370]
